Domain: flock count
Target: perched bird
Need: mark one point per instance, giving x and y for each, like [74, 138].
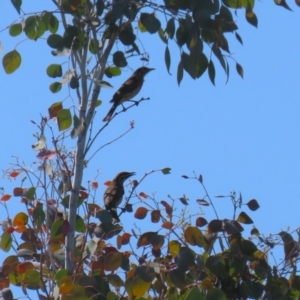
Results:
[129, 89]
[114, 193]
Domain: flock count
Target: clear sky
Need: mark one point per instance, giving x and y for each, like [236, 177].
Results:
[242, 136]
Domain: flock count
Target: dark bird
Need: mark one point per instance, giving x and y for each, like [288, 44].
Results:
[114, 193]
[129, 89]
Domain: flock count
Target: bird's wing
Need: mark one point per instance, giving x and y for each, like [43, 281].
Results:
[109, 196]
[125, 89]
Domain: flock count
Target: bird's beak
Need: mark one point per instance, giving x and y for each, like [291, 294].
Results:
[132, 173]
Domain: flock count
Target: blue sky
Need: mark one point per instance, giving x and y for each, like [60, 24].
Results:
[242, 136]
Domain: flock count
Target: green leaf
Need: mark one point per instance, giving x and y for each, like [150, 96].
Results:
[32, 279]
[54, 70]
[55, 41]
[167, 59]
[17, 5]
[98, 103]
[211, 72]
[182, 33]
[55, 87]
[170, 29]
[166, 171]
[11, 61]
[38, 217]
[215, 294]
[53, 24]
[56, 229]
[34, 27]
[195, 67]
[240, 70]
[179, 72]
[30, 193]
[15, 29]
[127, 37]
[80, 225]
[151, 23]
[6, 241]
[64, 119]
[119, 59]
[93, 46]
[112, 71]
[238, 37]
[216, 50]
[251, 18]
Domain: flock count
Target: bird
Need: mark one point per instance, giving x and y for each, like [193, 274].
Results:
[113, 195]
[129, 89]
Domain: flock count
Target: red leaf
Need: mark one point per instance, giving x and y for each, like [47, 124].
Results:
[5, 197]
[14, 174]
[46, 154]
[65, 227]
[143, 195]
[94, 185]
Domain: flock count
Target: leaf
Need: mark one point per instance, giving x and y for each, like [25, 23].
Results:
[64, 119]
[5, 197]
[143, 195]
[166, 171]
[253, 205]
[54, 109]
[238, 37]
[216, 50]
[168, 59]
[240, 70]
[6, 292]
[55, 41]
[179, 72]
[119, 59]
[46, 154]
[112, 71]
[55, 87]
[244, 218]
[202, 202]
[54, 70]
[251, 17]
[170, 29]
[14, 174]
[11, 61]
[141, 213]
[194, 236]
[283, 4]
[200, 222]
[113, 261]
[20, 219]
[15, 29]
[168, 207]
[125, 238]
[167, 225]
[17, 5]
[151, 23]
[155, 216]
[184, 200]
[211, 72]
[6, 242]
[145, 239]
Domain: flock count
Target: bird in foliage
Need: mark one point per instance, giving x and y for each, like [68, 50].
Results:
[114, 193]
[129, 89]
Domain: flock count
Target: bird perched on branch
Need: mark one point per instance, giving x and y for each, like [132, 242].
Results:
[114, 193]
[129, 89]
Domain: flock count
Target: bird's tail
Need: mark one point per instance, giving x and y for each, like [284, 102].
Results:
[114, 214]
[110, 113]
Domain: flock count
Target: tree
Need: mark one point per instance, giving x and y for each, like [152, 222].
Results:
[193, 24]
